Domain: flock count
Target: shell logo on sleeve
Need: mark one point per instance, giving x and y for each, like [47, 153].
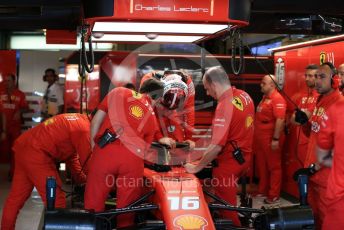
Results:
[136, 111]
[249, 121]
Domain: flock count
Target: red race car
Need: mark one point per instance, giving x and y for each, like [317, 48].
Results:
[175, 199]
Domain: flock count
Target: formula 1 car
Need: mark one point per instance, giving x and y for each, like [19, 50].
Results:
[175, 199]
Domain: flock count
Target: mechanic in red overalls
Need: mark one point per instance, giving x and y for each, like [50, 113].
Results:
[330, 153]
[341, 76]
[119, 163]
[268, 140]
[232, 128]
[327, 87]
[62, 138]
[13, 104]
[176, 113]
[306, 104]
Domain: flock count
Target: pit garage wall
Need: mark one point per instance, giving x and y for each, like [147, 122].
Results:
[290, 67]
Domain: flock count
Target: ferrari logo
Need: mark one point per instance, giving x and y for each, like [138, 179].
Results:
[238, 103]
[136, 111]
[322, 58]
[136, 94]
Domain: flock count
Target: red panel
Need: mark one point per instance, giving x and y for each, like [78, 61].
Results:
[60, 37]
[73, 87]
[205, 11]
[120, 67]
[172, 10]
[295, 61]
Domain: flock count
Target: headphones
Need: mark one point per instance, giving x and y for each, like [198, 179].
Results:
[335, 79]
[50, 70]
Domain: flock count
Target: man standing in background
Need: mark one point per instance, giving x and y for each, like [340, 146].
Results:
[53, 97]
[328, 95]
[268, 140]
[306, 105]
[13, 103]
[329, 149]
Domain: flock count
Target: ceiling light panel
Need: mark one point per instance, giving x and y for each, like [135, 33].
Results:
[170, 28]
[143, 38]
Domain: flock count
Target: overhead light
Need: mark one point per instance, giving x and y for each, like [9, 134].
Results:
[168, 28]
[152, 36]
[311, 42]
[144, 38]
[37, 42]
[97, 35]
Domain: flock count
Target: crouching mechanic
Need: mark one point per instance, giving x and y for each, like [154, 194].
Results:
[232, 137]
[128, 116]
[62, 138]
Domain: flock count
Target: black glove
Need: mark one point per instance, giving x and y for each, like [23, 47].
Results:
[300, 116]
[158, 168]
[304, 171]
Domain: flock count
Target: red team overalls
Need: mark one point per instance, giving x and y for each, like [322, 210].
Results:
[176, 124]
[318, 182]
[11, 106]
[331, 136]
[232, 123]
[120, 163]
[63, 138]
[268, 161]
[307, 103]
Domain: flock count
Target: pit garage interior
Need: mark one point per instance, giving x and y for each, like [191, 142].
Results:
[255, 38]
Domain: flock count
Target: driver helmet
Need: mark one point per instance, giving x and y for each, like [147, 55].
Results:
[175, 91]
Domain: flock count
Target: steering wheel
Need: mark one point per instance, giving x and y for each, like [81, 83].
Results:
[164, 156]
[179, 145]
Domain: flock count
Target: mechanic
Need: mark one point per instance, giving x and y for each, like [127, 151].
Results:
[232, 137]
[53, 102]
[128, 117]
[326, 85]
[341, 75]
[306, 105]
[13, 105]
[176, 112]
[62, 138]
[329, 149]
[268, 140]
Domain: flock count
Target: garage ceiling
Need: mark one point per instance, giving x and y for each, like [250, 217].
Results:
[34, 15]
